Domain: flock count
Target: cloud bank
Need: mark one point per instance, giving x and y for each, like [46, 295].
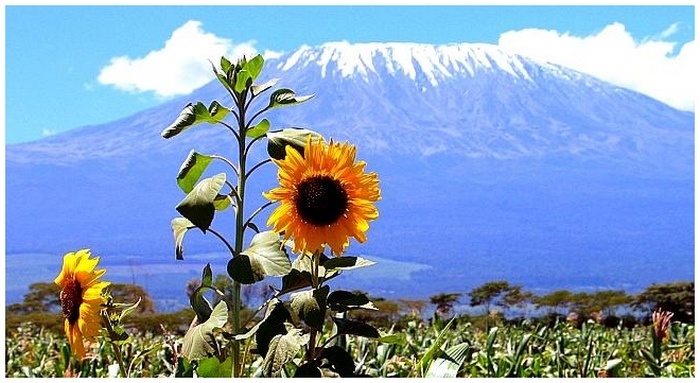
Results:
[648, 67]
[179, 67]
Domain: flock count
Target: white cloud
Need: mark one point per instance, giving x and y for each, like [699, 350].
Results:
[179, 67]
[612, 55]
[45, 132]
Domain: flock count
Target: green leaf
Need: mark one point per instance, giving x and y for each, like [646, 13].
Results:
[341, 301]
[284, 97]
[198, 205]
[434, 348]
[199, 303]
[214, 368]
[308, 370]
[257, 89]
[347, 263]
[399, 338]
[193, 168]
[225, 64]
[243, 81]
[264, 258]
[221, 202]
[278, 140]
[295, 280]
[255, 66]
[339, 361]
[199, 342]
[283, 348]
[259, 130]
[355, 328]
[180, 226]
[273, 325]
[128, 310]
[448, 363]
[192, 115]
[310, 306]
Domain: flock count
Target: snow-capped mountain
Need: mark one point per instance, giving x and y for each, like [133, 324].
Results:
[512, 164]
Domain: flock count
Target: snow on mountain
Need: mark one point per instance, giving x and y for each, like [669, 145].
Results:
[493, 166]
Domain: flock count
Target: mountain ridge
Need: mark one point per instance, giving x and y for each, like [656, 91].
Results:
[489, 176]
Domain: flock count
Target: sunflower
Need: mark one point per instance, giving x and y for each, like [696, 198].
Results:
[325, 197]
[81, 298]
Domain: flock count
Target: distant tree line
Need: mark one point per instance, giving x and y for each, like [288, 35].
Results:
[498, 299]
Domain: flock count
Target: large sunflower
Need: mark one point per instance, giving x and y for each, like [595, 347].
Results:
[81, 298]
[325, 197]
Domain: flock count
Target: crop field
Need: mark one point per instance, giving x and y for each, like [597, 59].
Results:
[419, 349]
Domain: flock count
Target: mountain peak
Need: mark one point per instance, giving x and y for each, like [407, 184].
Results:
[435, 62]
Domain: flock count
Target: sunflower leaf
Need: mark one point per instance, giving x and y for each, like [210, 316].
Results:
[259, 130]
[213, 367]
[285, 97]
[310, 306]
[273, 325]
[193, 168]
[257, 89]
[192, 115]
[199, 303]
[198, 205]
[180, 227]
[264, 258]
[341, 301]
[278, 140]
[282, 350]
[355, 328]
[199, 342]
[347, 263]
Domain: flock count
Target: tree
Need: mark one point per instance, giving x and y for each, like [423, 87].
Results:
[486, 294]
[414, 307]
[556, 300]
[676, 297]
[514, 296]
[444, 304]
[41, 297]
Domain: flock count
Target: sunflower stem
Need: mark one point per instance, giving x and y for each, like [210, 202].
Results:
[115, 347]
[240, 228]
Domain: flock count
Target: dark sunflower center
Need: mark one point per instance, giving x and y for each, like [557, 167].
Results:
[71, 297]
[321, 200]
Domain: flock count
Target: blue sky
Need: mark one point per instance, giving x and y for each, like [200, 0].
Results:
[73, 66]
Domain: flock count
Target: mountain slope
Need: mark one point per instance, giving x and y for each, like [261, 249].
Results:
[492, 166]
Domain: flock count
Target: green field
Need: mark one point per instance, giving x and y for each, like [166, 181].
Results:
[523, 349]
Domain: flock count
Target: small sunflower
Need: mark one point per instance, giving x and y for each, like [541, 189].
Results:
[81, 298]
[325, 197]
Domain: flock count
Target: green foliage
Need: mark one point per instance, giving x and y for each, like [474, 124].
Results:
[676, 297]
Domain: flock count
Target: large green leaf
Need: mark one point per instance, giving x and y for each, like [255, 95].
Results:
[264, 258]
[283, 348]
[257, 89]
[273, 325]
[278, 140]
[355, 328]
[341, 301]
[347, 263]
[198, 301]
[310, 306]
[255, 66]
[285, 97]
[200, 342]
[180, 227]
[192, 115]
[198, 204]
[448, 363]
[214, 368]
[434, 348]
[193, 168]
[339, 361]
[259, 130]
